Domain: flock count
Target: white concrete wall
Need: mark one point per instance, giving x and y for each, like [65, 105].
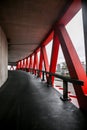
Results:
[3, 58]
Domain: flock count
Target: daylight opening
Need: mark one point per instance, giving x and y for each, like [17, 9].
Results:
[75, 31]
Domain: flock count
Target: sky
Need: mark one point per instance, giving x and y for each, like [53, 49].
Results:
[75, 30]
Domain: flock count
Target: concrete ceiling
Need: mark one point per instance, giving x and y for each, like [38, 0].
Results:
[27, 22]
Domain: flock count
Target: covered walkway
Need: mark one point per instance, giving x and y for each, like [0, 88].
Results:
[27, 103]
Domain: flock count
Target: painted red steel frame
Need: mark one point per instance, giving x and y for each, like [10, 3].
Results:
[35, 63]
[40, 62]
[74, 66]
[30, 65]
[26, 63]
[45, 58]
[71, 11]
[54, 54]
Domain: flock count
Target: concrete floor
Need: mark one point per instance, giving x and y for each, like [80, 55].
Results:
[28, 104]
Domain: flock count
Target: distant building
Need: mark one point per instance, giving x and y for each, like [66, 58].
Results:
[62, 69]
[58, 68]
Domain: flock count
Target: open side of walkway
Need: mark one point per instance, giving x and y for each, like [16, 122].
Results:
[27, 103]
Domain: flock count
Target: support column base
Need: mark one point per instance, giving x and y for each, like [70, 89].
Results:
[65, 99]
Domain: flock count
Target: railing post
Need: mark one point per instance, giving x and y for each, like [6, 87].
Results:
[35, 72]
[49, 81]
[43, 76]
[32, 71]
[38, 74]
[65, 91]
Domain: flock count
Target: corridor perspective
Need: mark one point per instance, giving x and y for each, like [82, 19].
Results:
[43, 64]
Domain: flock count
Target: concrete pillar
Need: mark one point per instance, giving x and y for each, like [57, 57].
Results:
[3, 58]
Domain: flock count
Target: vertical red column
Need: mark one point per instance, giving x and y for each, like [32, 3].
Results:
[17, 66]
[45, 58]
[54, 54]
[40, 63]
[30, 65]
[45, 61]
[26, 62]
[21, 64]
[34, 62]
[35, 65]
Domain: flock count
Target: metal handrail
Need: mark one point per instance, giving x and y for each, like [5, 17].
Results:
[65, 81]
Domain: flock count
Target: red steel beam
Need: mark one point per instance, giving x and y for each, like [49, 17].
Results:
[84, 14]
[48, 38]
[30, 65]
[18, 65]
[40, 62]
[21, 62]
[71, 11]
[37, 64]
[27, 62]
[34, 63]
[54, 54]
[74, 65]
[45, 58]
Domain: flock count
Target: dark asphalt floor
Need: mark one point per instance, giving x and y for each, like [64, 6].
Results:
[26, 103]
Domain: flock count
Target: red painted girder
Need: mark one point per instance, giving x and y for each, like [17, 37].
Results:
[27, 62]
[71, 11]
[34, 61]
[21, 62]
[74, 66]
[40, 62]
[45, 58]
[48, 38]
[37, 63]
[18, 65]
[54, 54]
